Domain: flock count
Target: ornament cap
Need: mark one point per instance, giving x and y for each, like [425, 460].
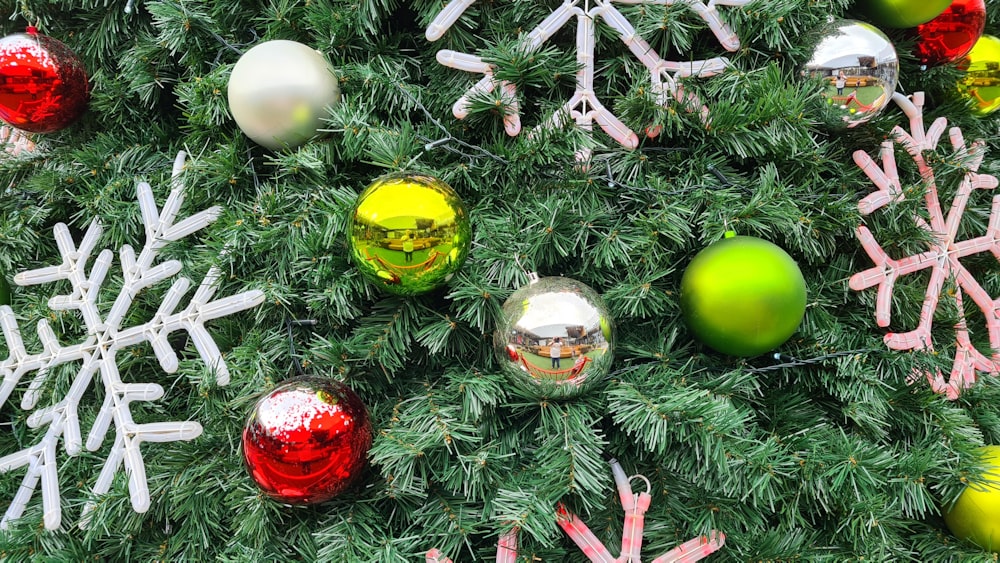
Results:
[532, 277]
[31, 30]
[729, 233]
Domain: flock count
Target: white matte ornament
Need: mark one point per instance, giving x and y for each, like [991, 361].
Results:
[95, 357]
[279, 92]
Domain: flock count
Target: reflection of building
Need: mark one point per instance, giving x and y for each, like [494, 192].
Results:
[28, 81]
[422, 231]
[983, 78]
[987, 73]
[956, 18]
[866, 72]
[576, 340]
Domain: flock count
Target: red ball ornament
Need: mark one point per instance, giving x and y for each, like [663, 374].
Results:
[307, 440]
[951, 35]
[43, 85]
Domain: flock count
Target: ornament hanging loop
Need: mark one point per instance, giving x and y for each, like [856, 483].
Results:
[530, 274]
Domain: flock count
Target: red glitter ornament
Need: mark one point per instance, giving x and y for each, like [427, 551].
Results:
[307, 440]
[43, 85]
[951, 35]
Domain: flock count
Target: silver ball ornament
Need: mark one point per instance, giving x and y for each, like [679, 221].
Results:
[859, 68]
[279, 91]
[555, 339]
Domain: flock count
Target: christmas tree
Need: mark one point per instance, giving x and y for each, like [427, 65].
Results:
[604, 141]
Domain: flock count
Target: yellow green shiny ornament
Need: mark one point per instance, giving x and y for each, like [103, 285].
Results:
[981, 83]
[743, 296]
[903, 13]
[975, 516]
[409, 233]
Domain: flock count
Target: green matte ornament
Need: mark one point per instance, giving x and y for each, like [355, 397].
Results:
[743, 296]
[903, 13]
[975, 516]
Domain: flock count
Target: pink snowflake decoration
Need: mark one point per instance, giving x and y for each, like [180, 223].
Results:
[944, 255]
[14, 141]
[635, 507]
[584, 107]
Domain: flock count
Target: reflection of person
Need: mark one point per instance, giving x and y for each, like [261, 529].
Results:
[407, 248]
[555, 352]
[840, 83]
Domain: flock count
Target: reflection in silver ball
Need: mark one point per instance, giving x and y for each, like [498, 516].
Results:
[555, 339]
[279, 91]
[859, 68]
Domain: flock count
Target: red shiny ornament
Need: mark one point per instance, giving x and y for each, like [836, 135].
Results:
[951, 35]
[43, 85]
[307, 440]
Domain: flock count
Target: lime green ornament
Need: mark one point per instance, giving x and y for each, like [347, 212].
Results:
[4, 292]
[975, 515]
[903, 13]
[743, 295]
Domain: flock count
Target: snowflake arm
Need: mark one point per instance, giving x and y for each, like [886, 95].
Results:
[97, 354]
[635, 507]
[506, 550]
[14, 141]
[943, 257]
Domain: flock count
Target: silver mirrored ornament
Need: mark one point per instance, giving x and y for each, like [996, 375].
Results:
[859, 69]
[555, 339]
[279, 92]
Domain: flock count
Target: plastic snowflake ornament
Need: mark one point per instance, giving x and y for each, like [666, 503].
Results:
[15, 142]
[944, 255]
[635, 507]
[584, 107]
[96, 355]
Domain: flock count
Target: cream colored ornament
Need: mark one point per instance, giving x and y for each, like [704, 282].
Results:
[279, 92]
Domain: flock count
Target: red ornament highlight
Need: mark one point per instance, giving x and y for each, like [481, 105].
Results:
[307, 440]
[951, 35]
[43, 84]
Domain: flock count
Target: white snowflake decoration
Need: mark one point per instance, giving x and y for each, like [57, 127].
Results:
[943, 256]
[97, 353]
[584, 106]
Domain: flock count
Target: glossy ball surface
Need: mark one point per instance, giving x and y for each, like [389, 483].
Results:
[43, 84]
[307, 440]
[858, 67]
[951, 35]
[743, 296]
[279, 92]
[535, 316]
[903, 13]
[981, 84]
[409, 233]
[975, 516]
